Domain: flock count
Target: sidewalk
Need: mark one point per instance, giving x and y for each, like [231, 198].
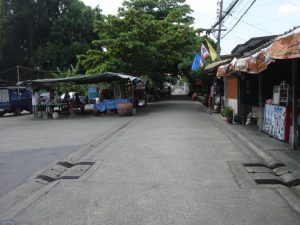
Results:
[276, 149]
[268, 149]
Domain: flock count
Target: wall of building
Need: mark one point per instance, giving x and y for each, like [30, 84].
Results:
[232, 93]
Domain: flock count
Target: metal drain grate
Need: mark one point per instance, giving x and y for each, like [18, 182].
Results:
[265, 175]
[272, 173]
[65, 170]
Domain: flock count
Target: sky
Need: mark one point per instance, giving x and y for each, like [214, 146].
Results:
[264, 18]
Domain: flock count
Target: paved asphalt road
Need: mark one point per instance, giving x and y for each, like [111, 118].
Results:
[170, 164]
[28, 145]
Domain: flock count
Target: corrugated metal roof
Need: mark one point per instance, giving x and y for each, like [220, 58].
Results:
[242, 49]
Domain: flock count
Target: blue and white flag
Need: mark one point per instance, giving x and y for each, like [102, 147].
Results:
[198, 62]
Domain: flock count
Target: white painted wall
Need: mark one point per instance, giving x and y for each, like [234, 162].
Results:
[233, 103]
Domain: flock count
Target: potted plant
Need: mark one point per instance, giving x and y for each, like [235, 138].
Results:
[227, 112]
[238, 119]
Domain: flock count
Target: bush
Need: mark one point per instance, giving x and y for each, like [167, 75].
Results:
[227, 111]
[238, 119]
[203, 99]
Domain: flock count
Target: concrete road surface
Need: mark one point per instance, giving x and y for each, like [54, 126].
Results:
[170, 164]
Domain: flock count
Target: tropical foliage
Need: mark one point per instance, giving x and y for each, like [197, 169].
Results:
[44, 34]
[153, 38]
[150, 38]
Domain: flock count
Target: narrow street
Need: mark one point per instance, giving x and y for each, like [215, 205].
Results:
[170, 164]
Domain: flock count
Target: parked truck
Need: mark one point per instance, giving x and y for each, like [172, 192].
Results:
[14, 99]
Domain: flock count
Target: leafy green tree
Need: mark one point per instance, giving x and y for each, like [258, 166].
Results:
[45, 34]
[147, 37]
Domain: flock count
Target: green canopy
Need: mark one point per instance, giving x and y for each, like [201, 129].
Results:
[83, 79]
[214, 66]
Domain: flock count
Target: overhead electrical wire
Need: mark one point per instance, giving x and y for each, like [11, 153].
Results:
[238, 36]
[238, 10]
[10, 69]
[37, 70]
[239, 19]
[44, 71]
[226, 12]
[33, 69]
[252, 25]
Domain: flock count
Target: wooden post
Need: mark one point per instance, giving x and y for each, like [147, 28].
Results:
[294, 108]
[261, 103]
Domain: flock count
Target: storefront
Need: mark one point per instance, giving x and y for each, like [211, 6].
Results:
[268, 78]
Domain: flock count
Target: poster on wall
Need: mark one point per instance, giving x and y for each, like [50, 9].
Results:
[275, 121]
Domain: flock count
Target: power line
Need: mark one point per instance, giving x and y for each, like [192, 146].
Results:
[238, 11]
[252, 25]
[228, 10]
[44, 71]
[5, 71]
[238, 36]
[37, 70]
[240, 18]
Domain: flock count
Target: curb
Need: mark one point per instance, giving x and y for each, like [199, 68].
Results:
[30, 191]
[290, 195]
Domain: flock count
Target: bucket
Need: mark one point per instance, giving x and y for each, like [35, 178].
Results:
[45, 114]
[125, 109]
[55, 115]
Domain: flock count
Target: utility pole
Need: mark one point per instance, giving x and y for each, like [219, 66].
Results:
[220, 17]
[219, 11]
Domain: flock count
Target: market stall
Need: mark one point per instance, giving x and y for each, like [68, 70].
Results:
[121, 91]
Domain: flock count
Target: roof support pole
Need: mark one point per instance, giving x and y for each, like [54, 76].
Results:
[239, 94]
[261, 102]
[294, 105]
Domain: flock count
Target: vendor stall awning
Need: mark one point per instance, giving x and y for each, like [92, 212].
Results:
[283, 47]
[227, 69]
[253, 64]
[286, 46]
[259, 62]
[211, 67]
[83, 79]
[223, 70]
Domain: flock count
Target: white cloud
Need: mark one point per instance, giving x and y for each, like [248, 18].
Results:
[289, 8]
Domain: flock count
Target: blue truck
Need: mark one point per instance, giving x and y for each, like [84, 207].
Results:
[14, 99]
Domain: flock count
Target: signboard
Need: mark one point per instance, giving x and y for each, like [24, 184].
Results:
[275, 121]
[92, 92]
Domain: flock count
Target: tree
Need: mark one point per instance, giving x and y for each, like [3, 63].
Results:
[147, 37]
[45, 34]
